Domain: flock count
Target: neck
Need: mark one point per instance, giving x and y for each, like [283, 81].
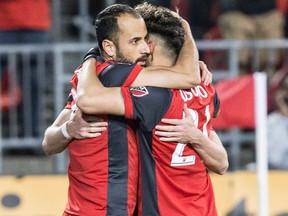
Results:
[162, 57]
[162, 61]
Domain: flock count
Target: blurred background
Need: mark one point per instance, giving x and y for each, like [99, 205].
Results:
[41, 44]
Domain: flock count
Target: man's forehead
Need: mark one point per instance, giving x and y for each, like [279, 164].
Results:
[129, 22]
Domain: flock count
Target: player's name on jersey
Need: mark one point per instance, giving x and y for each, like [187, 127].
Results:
[197, 91]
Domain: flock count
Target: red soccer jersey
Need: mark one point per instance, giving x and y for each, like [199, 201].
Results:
[103, 171]
[174, 180]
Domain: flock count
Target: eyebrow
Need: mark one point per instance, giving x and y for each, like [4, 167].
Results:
[135, 38]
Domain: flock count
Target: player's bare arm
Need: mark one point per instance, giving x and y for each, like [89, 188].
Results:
[99, 99]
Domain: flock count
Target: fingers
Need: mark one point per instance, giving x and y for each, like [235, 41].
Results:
[168, 139]
[206, 75]
[88, 135]
[84, 129]
[208, 78]
[90, 132]
[91, 135]
[171, 121]
[168, 133]
[165, 136]
[94, 133]
[168, 128]
[163, 133]
[98, 124]
[96, 129]
[174, 136]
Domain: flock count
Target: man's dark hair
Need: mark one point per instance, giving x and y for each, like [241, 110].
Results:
[106, 24]
[161, 23]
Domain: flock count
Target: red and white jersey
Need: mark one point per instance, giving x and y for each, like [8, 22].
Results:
[174, 179]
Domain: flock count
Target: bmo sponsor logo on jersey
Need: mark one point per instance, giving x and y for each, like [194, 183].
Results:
[197, 91]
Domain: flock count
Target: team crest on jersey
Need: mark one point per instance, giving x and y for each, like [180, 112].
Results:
[139, 91]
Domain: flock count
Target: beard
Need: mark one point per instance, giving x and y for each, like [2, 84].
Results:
[120, 58]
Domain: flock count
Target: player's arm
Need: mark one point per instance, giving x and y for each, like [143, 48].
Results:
[210, 149]
[99, 99]
[184, 74]
[58, 136]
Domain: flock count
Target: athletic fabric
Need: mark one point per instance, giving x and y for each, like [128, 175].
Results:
[103, 171]
[174, 180]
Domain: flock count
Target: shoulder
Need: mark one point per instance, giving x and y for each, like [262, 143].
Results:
[115, 67]
[150, 91]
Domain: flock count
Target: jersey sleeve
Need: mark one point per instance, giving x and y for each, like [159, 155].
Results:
[119, 74]
[74, 82]
[212, 99]
[216, 102]
[69, 102]
[146, 104]
[215, 106]
[128, 103]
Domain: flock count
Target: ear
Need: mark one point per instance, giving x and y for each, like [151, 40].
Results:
[109, 48]
[151, 45]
